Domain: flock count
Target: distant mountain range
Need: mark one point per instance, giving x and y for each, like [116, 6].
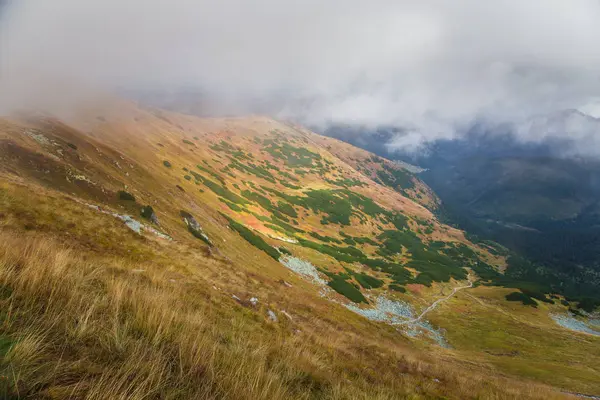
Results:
[535, 196]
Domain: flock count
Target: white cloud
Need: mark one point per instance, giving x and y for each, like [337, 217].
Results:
[417, 64]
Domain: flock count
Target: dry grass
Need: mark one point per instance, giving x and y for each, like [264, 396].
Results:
[79, 321]
[81, 326]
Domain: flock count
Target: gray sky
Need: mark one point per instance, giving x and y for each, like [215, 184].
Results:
[428, 65]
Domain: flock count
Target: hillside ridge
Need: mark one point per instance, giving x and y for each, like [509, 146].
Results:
[287, 232]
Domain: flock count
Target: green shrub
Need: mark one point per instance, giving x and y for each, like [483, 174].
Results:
[147, 212]
[397, 288]
[588, 304]
[167, 164]
[258, 198]
[368, 282]
[224, 192]
[325, 239]
[253, 239]
[346, 289]
[285, 226]
[231, 205]
[287, 209]
[537, 295]
[522, 297]
[395, 177]
[187, 178]
[123, 195]
[211, 172]
[283, 250]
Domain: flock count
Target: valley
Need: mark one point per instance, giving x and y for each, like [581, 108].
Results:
[252, 258]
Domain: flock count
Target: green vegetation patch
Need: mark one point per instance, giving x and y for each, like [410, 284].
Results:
[281, 211]
[167, 164]
[253, 238]
[224, 192]
[395, 177]
[345, 288]
[252, 169]
[347, 183]
[283, 250]
[123, 195]
[147, 212]
[294, 157]
[397, 288]
[325, 239]
[367, 281]
[232, 206]
[210, 172]
[522, 297]
[5, 345]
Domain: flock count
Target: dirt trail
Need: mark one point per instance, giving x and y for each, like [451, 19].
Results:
[435, 303]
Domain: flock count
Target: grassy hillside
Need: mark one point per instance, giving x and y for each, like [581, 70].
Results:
[142, 256]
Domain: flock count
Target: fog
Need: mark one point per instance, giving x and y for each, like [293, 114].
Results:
[430, 67]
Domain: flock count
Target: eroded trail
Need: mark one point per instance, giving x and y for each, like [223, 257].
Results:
[435, 303]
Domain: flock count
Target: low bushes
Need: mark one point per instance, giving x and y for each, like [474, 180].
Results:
[522, 297]
[346, 289]
[126, 196]
[368, 282]
[253, 238]
[148, 213]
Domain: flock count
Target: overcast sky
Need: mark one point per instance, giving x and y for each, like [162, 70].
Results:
[428, 65]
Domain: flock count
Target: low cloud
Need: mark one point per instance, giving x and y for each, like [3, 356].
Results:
[430, 67]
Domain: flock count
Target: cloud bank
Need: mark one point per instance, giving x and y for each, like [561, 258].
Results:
[428, 66]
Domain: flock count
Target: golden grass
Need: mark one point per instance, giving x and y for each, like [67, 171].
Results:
[79, 321]
[82, 326]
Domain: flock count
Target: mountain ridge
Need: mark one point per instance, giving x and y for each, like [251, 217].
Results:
[218, 205]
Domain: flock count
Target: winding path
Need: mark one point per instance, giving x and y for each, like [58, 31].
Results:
[435, 304]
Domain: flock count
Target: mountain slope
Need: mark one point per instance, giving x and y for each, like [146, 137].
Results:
[280, 240]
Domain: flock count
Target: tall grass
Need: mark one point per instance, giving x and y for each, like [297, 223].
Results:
[84, 327]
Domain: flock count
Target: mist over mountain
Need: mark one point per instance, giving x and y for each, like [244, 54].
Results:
[178, 219]
[431, 68]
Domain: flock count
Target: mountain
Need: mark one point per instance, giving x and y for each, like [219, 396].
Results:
[530, 197]
[533, 196]
[146, 253]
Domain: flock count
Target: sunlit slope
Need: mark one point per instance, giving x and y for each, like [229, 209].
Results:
[214, 205]
[276, 180]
